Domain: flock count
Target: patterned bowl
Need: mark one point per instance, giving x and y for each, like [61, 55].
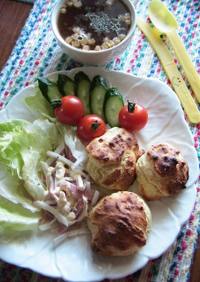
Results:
[90, 56]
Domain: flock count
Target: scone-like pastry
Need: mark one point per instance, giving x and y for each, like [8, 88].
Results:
[161, 172]
[112, 159]
[119, 224]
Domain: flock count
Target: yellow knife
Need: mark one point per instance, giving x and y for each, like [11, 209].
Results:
[188, 103]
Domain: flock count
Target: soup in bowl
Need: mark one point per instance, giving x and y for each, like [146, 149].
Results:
[93, 33]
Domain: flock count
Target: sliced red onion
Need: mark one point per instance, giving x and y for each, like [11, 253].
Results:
[73, 189]
[69, 155]
[84, 211]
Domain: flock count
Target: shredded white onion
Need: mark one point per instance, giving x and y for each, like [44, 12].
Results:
[95, 197]
[50, 183]
[64, 182]
[58, 157]
[54, 196]
[60, 170]
[69, 188]
[44, 167]
[79, 183]
[79, 152]
[58, 150]
[51, 202]
[61, 218]
[74, 172]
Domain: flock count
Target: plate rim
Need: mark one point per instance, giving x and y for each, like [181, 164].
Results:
[192, 186]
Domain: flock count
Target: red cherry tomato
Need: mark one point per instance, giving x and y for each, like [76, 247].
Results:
[70, 111]
[133, 117]
[90, 126]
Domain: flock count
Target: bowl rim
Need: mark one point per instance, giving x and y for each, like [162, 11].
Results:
[54, 17]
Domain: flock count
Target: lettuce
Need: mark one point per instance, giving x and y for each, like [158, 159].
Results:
[38, 104]
[23, 145]
[18, 135]
[12, 189]
[45, 135]
[14, 218]
[32, 181]
[12, 139]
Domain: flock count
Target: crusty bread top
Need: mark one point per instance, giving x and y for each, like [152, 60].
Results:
[119, 222]
[111, 146]
[168, 162]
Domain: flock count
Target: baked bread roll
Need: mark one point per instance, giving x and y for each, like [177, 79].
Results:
[112, 159]
[119, 224]
[161, 172]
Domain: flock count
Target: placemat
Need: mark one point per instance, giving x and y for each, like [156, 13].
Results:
[37, 53]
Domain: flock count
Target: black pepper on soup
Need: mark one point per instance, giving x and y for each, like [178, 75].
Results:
[94, 25]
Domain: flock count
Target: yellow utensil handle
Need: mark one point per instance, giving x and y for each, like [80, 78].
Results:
[184, 59]
[183, 93]
[172, 71]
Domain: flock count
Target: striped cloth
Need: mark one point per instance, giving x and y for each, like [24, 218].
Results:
[37, 53]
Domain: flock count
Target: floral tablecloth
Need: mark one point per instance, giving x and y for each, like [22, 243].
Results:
[36, 53]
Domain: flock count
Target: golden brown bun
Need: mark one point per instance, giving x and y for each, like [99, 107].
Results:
[112, 159]
[119, 224]
[161, 172]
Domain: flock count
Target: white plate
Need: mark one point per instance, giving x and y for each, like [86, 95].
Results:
[74, 260]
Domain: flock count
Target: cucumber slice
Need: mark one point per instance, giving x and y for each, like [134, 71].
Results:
[66, 85]
[82, 82]
[50, 91]
[97, 95]
[113, 104]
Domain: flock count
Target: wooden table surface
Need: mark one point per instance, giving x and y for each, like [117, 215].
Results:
[12, 18]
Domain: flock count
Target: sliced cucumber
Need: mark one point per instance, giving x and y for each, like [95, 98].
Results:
[82, 82]
[98, 90]
[113, 104]
[50, 91]
[66, 85]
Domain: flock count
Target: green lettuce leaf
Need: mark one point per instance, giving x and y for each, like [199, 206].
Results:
[23, 145]
[12, 139]
[45, 135]
[38, 104]
[18, 135]
[32, 182]
[14, 218]
[12, 189]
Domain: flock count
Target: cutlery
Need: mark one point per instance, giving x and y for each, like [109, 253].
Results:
[165, 22]
[154, 37]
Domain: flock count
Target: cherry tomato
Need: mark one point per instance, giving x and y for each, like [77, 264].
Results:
[133, 117]
[90, 126]
[70, 111]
